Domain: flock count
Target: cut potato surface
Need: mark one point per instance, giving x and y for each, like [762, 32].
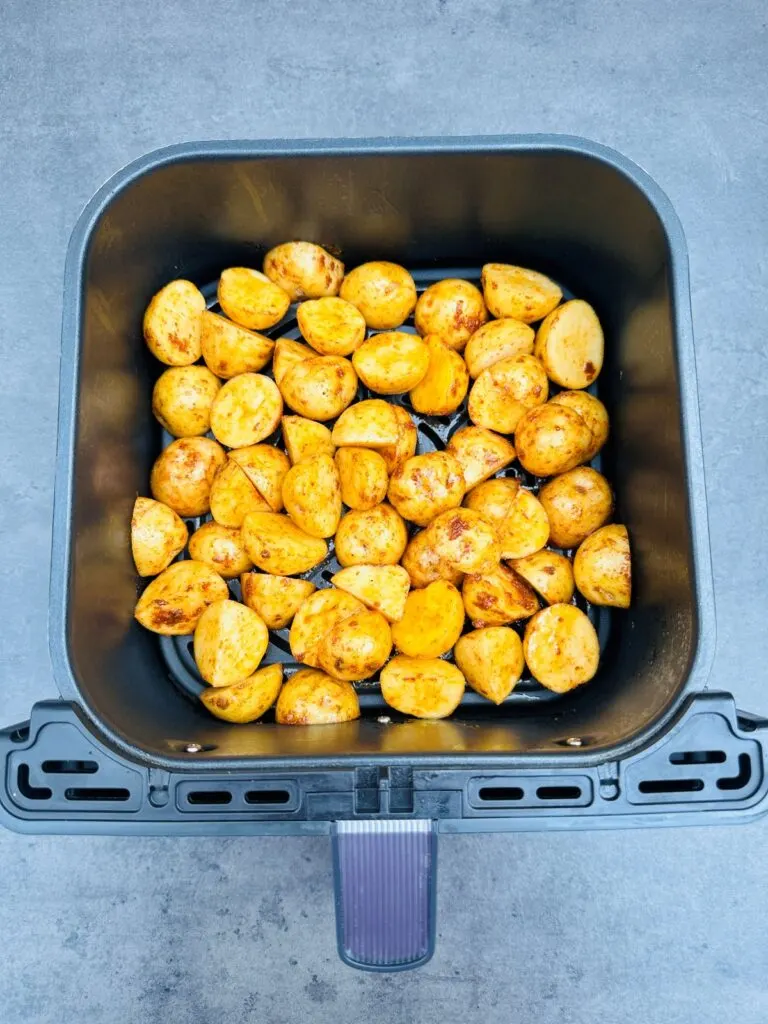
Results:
[491, 661]
[305, 438]
[233, 495]
[405, 445]
[422, 687]
[577, 503]
[497, 340]
[381, 587]
[561, 647]
[247, 700]
[311, 697]
[549, 573]
[362, 476]
[368, 424]
[480, 452]
[570, 344]
[515, 292]
[603, 567]
[184, 472]
[246, 410]
[383, 292]
[504, 392]
[320, 388]
[173, 324]
[464, 540]
[288, 353]
[375, 536]
[303, 270]
[229, 349]
[250, 299]
[312, 495]
[278, 546]
[519, 517]
[426, 485]
[174, 601]
[498, 597]
[275, 598]
[266, 467]
[230, 641]
[392, 362]
[444, 386]
[432, 621]
[220, 547]
[315, 619]
[158, 534]
[331, 326]
[423, 564]
[452, 309]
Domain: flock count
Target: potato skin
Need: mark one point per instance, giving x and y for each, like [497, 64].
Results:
[602, 567]
[303, 270]
[174, 601]
[182, 399]
[250, 299]
[357, 646]
[320, 388]
[371, 423]
[570, 344]
[561, 647]
[497, 340]
[423, 564]
[158, 534]
[520, 519]
[383, 292]
[432, 621]
[498, 597]
[229, 349]
[312, 495]
[375, 536]
[184, 472]
[515, 292]
[549, 573]
[480, 452]
[491, 660]
[246, 410]
[362, 476]
[172, 323]
[332, 326]
[422, 687]
[405, 445]
[278, 546]
[275, 598]
[305, 438]
[592, 411]
[230, 641]
[384, 588]
[464, 540]
[452, 309]
[552, 439]
[246, 700]
[577, 503]
[493, 498]
[314, 620]
[233, 495]
[504, 392]
[311, 697]
[220, 547]
[288, 353]
[444, 386]
[266, 467]
[391, 362]
[426, 485]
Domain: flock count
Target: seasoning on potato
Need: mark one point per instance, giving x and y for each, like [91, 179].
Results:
[551, 439]
[371, 423]
[383, 292]
[287, 354]
[250, 299]
[220, 547]
[515, 292]
[570, 344]
[357, 646]
[184, 472]
[592, 411]
[332, 326]
[521, 522]
[504, 392]
[452, 309]
[320, 388]
[278, 546]
[312, 495]
[498, 597]
[422, 687]
[314, 620]
[391, 362]
[375, 536]
[303, 270]
[464, 540]
[172, 324]
[602, 567]
[422, 562]
[229, 349]
[275, 598]
[233, 495]
[362, 477]
[480, 452]
[405, 445]
[384, 588]
[311, 697]
[305, 438]
[426, 485]
[577, 503]
[158, 534]
[182, 399]
[444, 386]
[174, 601]
[491, 660]
[561, 647]
[266, 467]
[230, 641]
[246, 700]
[497, 340]
[432, 621]
[246, 410]
[549, 573]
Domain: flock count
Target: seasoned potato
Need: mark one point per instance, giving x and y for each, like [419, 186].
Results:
[443, 387]
[426, 485]
[497, 340]
[305, 438]
[504, 392]
[310, 697]
[287, 354]
[603, 567]
[391, 362]
[320, 388]
[464, 540]
[493, 498]
[520, 519]
[331, 326]
[357, 646]
[592, 411]
[491, 661]
[233, 496]
[183, 473]
[175, 600]
[551, 439]
[362, 476]
[518, 293]
[246, 410]
[275, 598]
[407, 439]
[570, 344]
[374, 536]
[251, 299]
[480, 452]
[230, 641]
[577, 503]
[422, 687]
[278, 546]
[561, 647]
[497, 597]
[314, 620]
[247, 700]
[173, 322]
[549, 573]
[182, 400]
[157, 536]
[383, 588]
[312, 495]
[303, 270]
[266, 468]
[432, 621]
[452, 309]
[368, 424]
[383, 292]
[229, 349]
[220, 547]
[423, 564]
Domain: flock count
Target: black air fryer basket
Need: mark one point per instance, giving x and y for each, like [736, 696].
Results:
[128, 749]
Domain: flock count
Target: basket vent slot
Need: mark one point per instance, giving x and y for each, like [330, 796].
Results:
[69, 767]
[671, 786]
[97, 793]
[209, 796]
[740, 780]
[558, 792]
[267, 796]
[697, 757]
[27, 789]
[492, 794]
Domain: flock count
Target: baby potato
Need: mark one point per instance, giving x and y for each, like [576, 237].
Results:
[504, 392]
[303, 270]
[247, 700]
[443, 387]
[310, 697]
[423, 564]
[577, 503]
[452, 309]
[371, 423]
[314, 620]
[174, 601]
[157, 536]
[357, 646]
[312, 495]
[518, 293]
[493, 498]
[464, 540]
[383, 292]
[230, 641]
[480, 452]
[362, 476]
[229, 349]
[561, 647]
[549, 573]
[374, 536]
[570, 344]
[592, 411]
[275, 598]
[422, 687]
[520, 519]
[551, 439]
[331, 326]
[426, 485]
[407, 439]
[287, 354]
[432, 621]
[491, 661]
[603, 567]
[172, 324]
[246, 410]
[220, 547]
[233, 496]
[305, 438]
[275, 544]
[497, 340]
[320, 388]
[184, 472]
[383, 588]
[498, 597]
[266, 468]
[251, 299]
[391, 362]
[182, 400]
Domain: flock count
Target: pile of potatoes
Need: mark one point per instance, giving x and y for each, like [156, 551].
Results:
[479, 545]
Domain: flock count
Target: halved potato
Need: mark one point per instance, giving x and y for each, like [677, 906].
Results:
[551, 439]
[497, 340]
[250, 299]
[491, 661]
[374, 536]
[383, 292]
[182, 398]
[288, 353]
[175, 600]
[233, 495]
[320, 388]
[391, 362]
[592, 411]
[357, 646]
[278, 546]
[504, 392]
[383, 588]
[452, 309]
[172, 324]
[184, 472]
[363, 477]
[493, 498]
[603, 567]
[229, 349]
[158, 534]
[480, 452]
[331, 326]
[422, 687]
[230, 641]
[368, 424]
[303, 270]
[305, 438]
[518, 293]
[561, 647]
[444, 386]
[498, 597]
[314, 620]
[247, 700]
[311, 697]
[405, 446]
[426, 485]
[422, 562]
[549, 573]
[275, 598]
[520, 519]
[266, 467]
[312, 495]
[577, 503]
[246, 410]
[570, 344]
[464, 540]
[432, 621]
[221, 547]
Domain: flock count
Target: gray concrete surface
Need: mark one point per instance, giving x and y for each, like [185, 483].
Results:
[626, 928]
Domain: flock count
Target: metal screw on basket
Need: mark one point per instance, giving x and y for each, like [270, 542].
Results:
[193, 748]
[574, 741]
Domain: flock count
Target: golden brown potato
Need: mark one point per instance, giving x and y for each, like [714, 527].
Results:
[497, 340]
[518, 293]
[520, 519]
[220, 547]
[405, 446]
[592, 411]
[570, 344]
[247, 700]
[374, 536]
[551, 439]
[426, 485]
[493, 498]
[310, 697]
[312, 495]
[391, 362]
[229, 349]
[577, 503]
[498, 597]
[444, 386]
[182, 400]
[157, 536]
[246, 410]
[452, 309]
[504, 392]
[480, 452]
[320, 388]
[561, 647]
[549, 573]
[172, 324]
[331, 326]
[603, 567]
[251, 299]
[383, 292]
[305, 438]
[432, 621]
[423, 564]
[230, 641]
[422, 687]
[383, 588]
[314, 620]
[368, 424]
[287, 354]
[278, 546]
[266, 468]
[183, 473]
[275, 598]
[362, 476]
[464, 540]
[175, 600]
[491, 661]
[303, 270]
[357, 646]
[233, 496]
